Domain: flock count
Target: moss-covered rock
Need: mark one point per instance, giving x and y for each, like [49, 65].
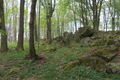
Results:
[72, 45]
[85, 40]
[111, 42]
[92, 63]
[68, 37]
[71, 65]
[117, 44]
[107, 54]
[98, 42]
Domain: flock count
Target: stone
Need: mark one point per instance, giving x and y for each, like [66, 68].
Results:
[85, 40]
[107, 54]
[68, 37]
[83, 32]
[113, 68]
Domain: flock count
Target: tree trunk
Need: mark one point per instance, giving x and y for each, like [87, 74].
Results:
[15, 24]
[75, 21]
[62, 27]
[96, 14]
[113, 18]
[26, 23]
[32, 52]
[9, 29]
[58, 25]
[86, 13]
[35, 28]
[4, 46]
[21, 27]
[118, 20]
[45, 35]
[39, 24]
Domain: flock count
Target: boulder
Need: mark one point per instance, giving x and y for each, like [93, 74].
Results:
[107, 53]
[113, 68]
[83, 32]
[85, 40]
[58, 39]
[86, 31]
[68, 37]
[97, 42]
[100, 58]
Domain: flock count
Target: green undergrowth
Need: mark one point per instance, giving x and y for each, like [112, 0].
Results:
[13, 66]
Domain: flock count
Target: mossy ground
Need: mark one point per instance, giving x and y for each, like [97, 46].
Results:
[14, 67]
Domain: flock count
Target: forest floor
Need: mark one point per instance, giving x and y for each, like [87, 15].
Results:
[14, 67]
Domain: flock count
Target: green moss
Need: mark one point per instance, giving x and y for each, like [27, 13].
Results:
[86, 61]
[97, 42]
[117, 44]
[107, 50]
[110, 42]
[72, 45]
[77, 40]
[71, 65]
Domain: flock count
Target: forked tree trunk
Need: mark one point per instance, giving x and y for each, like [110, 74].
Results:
[4, 46]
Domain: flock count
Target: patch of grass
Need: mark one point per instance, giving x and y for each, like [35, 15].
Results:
[52, 70]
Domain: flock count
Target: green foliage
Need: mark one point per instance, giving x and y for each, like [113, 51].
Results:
[3, 32]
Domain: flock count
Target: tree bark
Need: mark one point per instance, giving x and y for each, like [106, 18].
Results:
[4, 46]
[39, 25]
[62, 26]
[21, 27]
[75, 17]
[26, 23]
[58, 25]
[15, 23]
[35, 28]
[32, 52]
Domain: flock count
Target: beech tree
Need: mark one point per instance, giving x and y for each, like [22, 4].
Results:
[4, 46]
[39, 24]
[96, 6]
[32, 53]
[49, 5]
[21, 27]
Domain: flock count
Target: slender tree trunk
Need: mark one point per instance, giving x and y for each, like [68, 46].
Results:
[26, 22]
[4, 46]
[113, 18]
[44, 32]
[39, 24]
[75, 21]
[21, 27]
[118, 20]
[62, 26]
[35, 28]
[49, 22]
[82, 13]
[32, 52]
[15, 24]
[58, 25]
[74, 16]
[86, 13]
